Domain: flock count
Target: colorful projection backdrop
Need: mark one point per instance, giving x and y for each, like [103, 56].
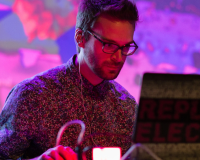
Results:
[37, 35]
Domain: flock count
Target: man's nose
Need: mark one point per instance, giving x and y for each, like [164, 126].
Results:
[117, 56]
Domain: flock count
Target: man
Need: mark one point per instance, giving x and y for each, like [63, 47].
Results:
[83, 89]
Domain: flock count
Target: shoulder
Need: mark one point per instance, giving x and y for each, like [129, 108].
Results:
[119, 89]
[31, 88]
[55, 74]
[32, 93]
[121, 92]
[47, 78]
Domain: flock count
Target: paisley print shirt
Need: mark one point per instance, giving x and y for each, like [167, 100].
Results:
[37, 107]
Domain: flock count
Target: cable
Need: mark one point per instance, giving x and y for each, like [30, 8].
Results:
[79, 66]
[63, 128]
[133, 147]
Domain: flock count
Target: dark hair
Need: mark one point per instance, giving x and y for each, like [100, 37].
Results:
[90, 10]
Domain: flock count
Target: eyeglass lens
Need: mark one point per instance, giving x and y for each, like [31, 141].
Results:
[111, 48]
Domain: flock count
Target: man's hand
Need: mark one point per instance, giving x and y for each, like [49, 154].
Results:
[59, 153]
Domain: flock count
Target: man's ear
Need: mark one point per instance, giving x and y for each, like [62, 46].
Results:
[79, 37]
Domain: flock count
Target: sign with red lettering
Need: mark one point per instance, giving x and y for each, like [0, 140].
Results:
[168, 121]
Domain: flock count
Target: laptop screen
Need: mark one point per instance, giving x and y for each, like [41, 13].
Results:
[169, 109]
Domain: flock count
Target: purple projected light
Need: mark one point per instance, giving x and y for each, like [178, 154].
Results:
[4, 11]
[4, 7]
[29, 57]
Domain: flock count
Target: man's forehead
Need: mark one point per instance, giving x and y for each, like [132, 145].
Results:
[113, 30]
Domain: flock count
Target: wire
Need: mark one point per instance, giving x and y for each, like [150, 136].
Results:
[133, 147]
[79, 66]
[63, 128]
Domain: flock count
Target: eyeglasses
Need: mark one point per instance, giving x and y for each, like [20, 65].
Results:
[110, 48]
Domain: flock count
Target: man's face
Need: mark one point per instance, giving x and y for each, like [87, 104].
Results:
[107, 66]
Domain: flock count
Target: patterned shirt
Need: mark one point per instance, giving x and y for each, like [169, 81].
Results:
[37, 107]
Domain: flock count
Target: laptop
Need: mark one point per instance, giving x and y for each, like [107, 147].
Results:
[168, 116]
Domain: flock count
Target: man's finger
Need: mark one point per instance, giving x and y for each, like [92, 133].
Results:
[55, 155]
[46, 157]
[67, 153]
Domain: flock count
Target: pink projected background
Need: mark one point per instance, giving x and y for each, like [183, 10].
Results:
[37, 35]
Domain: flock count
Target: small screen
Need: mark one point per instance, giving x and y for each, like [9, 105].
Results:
[106, 153]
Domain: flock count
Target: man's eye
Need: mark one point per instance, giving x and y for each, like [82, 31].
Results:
[110, 45]
[128, 45]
